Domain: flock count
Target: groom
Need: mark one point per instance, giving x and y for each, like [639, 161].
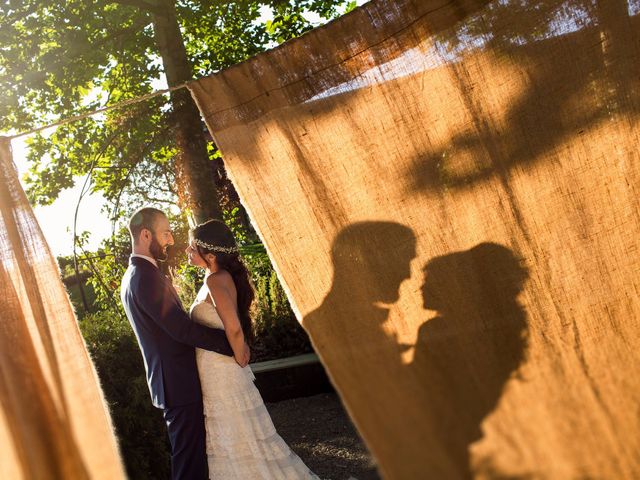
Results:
[167, 337]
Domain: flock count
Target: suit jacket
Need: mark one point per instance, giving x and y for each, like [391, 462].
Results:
[166, 335]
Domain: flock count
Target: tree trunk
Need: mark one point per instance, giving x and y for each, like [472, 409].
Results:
[197, 189]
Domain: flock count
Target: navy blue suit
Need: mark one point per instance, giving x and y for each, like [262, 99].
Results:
[167, 338]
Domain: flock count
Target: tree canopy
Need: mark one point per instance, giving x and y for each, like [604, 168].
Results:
[59, 59]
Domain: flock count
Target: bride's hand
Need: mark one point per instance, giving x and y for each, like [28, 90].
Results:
[246, 356]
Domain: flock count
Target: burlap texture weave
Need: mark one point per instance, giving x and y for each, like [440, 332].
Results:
[449, 191]
[53, 419]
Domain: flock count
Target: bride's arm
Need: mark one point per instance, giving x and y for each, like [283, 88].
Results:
[220, 285]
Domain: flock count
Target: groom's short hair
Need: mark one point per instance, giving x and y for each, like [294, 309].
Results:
[144, 217]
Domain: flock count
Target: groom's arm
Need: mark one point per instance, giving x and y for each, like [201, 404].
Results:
[157, 301]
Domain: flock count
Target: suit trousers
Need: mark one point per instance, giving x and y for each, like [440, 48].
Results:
[187, 435]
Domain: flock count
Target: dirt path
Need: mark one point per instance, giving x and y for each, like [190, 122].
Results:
[320, 432]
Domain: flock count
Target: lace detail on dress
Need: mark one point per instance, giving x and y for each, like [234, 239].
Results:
[242, 442]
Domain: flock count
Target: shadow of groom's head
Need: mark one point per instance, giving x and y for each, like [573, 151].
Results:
[373, 255]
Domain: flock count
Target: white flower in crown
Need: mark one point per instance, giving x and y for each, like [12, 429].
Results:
[215, 248]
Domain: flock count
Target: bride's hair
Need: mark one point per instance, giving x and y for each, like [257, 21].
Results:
[214, 237]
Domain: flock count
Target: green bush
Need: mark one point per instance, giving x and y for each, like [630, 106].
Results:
[277, 331]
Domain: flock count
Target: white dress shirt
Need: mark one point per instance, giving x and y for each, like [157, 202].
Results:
[146, 258]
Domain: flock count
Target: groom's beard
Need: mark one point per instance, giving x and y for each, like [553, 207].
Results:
[157, 251]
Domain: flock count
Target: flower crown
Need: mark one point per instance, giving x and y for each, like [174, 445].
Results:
[215, 248]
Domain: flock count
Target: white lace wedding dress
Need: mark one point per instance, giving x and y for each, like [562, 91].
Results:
[242, 442]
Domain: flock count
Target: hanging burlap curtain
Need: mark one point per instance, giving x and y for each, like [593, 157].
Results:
[449, 191]
[53, 418]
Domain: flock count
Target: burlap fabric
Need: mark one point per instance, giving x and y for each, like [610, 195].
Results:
[53, 419]
[449, 191]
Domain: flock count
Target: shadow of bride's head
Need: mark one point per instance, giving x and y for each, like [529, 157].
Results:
[487, 276]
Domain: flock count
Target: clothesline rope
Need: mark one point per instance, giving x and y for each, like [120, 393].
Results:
[81, 116]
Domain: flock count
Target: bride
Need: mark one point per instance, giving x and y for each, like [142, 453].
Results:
[241, 440]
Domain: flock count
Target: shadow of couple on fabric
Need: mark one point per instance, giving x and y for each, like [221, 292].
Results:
[463, 356]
